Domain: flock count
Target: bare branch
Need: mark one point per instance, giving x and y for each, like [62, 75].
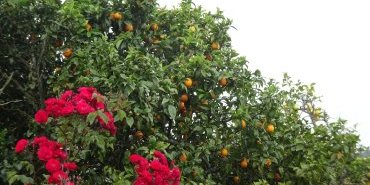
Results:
[13, 101]
[7, 82]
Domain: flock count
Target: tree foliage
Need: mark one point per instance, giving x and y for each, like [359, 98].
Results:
[139, 56]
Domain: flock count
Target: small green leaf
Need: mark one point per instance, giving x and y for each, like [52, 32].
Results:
[130, 121]
[91, 117]
[103, 116]
[172, 111]
[121, 115]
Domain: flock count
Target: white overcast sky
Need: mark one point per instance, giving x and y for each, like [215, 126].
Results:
[321, 41]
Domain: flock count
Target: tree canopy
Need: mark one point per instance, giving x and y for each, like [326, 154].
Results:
[154, 79]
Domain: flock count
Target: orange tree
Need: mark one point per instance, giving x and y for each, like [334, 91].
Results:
[174, 84]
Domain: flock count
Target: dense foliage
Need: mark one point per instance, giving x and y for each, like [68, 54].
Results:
[168, 80]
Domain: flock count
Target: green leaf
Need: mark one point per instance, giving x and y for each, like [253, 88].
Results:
[129, 121]
[103, 116]
[172, 111]
[91, 117]
[121, 115]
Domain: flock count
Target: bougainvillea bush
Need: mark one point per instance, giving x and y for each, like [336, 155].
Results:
[66, 118]
[88, 110]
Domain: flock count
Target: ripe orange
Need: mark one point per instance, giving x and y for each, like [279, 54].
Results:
[268, 163]
[215, 45]
[244, 124]
[116, 16]
[224, 152]
[222, 82]
[270, 128]
[139, 134]
[236, 180]
[183, 157]
[154, 27]
[188, 82]
[88, 26]
[68, 52]
[128, 27]
[209, 57]
[158, 117]
[244, 163]
[184, 98]
[181, 105]
[277, 177]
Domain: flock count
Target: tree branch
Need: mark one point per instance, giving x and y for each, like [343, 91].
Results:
[9, 78]
[13, 101]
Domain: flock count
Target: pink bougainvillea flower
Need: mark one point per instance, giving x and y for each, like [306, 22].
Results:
[21, 145]
[41, 116]
[67, 95]
[44, 153]
[162, 158]
[70, 166]
[53, 165]
[84, 108]
[57, 177]
[158, 171]
[59, 153]
[67, 110]
[109, 125]
[39, 139]
[86, 92]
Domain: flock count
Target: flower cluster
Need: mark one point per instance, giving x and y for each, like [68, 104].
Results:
[86, 101]
[53, 156]
[155, 172]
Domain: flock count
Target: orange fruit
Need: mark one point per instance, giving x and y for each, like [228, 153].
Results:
[270, 128]
[222, 82]
[184, 98]
[128, 27]
[268, 163]
[209, 57]
[68, 52]
[88, 26]
[244, 124]
[215, 45]
[188, 82]
[204, 102]
[158, 117]
[277, 177]
[224, 152]
[181, 105]
[183, 157]
[139, 134]
[236, 179]
[154, 27]
[116, 16]
[244, 163]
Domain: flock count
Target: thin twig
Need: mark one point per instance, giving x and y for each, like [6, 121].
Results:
[13, 101]
[6, 83]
